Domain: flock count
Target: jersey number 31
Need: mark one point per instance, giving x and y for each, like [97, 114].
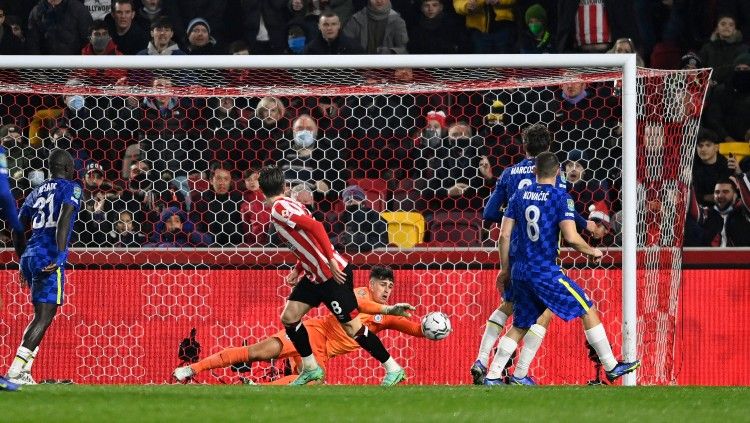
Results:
[43, 218]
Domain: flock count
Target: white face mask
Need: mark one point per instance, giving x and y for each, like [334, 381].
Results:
[304, 138]
[75, 102]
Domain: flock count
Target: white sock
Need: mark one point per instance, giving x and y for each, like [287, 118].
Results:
[391, 365]
[531, 343]
[598, 339]
[30, 361]
[309, 362]
[22, 357]
[505, 349]
[492, 331]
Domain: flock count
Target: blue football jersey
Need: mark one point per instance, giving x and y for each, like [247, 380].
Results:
[42, 207]
[537, 212]
[7, 202]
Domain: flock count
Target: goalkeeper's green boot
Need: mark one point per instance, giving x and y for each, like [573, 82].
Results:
[393, 378]
[309, 375]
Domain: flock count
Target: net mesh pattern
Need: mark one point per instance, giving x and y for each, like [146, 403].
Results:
[174, 234]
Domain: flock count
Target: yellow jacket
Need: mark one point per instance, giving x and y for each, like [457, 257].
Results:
[479, 19]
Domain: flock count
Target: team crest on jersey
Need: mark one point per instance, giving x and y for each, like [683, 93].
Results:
[571, 205]
[76, 192]
[285, 214]
[378, 318]
[3, 161]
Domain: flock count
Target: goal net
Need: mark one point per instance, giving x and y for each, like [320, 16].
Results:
[173, 234]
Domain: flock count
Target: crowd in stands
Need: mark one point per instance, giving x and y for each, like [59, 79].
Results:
[176, 171]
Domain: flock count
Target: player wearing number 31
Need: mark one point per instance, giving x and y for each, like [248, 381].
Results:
[51, 208]
[543, 211]
[321, 275]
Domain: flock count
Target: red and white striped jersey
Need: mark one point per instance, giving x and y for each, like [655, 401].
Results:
[592, 23]
[292, 221]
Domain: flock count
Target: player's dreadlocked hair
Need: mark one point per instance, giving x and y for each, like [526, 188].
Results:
[271, 181]
[536, 139]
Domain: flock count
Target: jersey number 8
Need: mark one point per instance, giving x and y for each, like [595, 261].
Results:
[42, 218]
[532, 222]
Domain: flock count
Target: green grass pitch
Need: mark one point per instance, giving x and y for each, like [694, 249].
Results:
[202, 403]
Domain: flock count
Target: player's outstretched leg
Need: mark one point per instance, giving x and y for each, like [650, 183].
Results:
[262, 351]
[495, 324]
[597, 338]
[20, 369]
[531, 343]
[505, 349]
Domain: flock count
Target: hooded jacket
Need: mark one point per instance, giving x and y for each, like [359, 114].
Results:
[187, 237]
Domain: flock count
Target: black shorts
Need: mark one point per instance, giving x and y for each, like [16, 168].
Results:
[339, 298]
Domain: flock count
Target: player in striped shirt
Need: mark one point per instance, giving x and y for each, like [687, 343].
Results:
[543, 212]
[327, 337]
[321, 275]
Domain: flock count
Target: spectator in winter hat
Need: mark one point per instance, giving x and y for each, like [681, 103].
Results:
[536, 38]
[198, 39]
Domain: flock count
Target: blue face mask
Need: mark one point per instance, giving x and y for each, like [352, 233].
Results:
[304, 138]
[75, 102]
[296, 44]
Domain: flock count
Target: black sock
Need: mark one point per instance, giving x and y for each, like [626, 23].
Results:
[297, 333]
[371, 343]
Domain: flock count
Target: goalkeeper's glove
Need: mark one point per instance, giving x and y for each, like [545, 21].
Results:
[399, 309]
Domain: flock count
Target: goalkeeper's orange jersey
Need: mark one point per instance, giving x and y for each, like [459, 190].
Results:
[338, 342]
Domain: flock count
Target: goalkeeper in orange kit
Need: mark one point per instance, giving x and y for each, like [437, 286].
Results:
[327, 337]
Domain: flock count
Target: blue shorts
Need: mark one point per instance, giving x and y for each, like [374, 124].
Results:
[554, 291]
[45, 287]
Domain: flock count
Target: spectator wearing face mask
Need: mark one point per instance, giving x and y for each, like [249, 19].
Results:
[309, 158]
[729, 106]
[536, 37]
[101, 44]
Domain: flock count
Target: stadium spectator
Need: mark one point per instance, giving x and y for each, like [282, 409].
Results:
[151, 10]
[437, 32]
[239, 47]
[744, 165]
[728, 111]
[10, 43]
[727, 222]
[256, 214]
[100, 43]
[199, 39]
[125, 232]
[708, 167]
[14, 23]
[92, 225]
[175, 230]
[492, 24]
[536, 36]
[624, 46]
[725, 46]
[167, 116]
[64, 138]
[226, 118]
[319, 162]
[264, 23]
[584, 192]
[58, 27]
[378, 28]
[589, 26]
[18, 154]
[128, 31]
[161, 40]
[98, 9]
[182, 12]
[217, 212]
[359, 228]
[308, 12]
[330, 40]
[451, 175]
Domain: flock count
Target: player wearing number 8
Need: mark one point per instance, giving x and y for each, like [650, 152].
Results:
[51, 208]
[545, 211]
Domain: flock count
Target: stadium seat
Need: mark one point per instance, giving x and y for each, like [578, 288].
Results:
[457, 228]
[405, 229]
[737, 149]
